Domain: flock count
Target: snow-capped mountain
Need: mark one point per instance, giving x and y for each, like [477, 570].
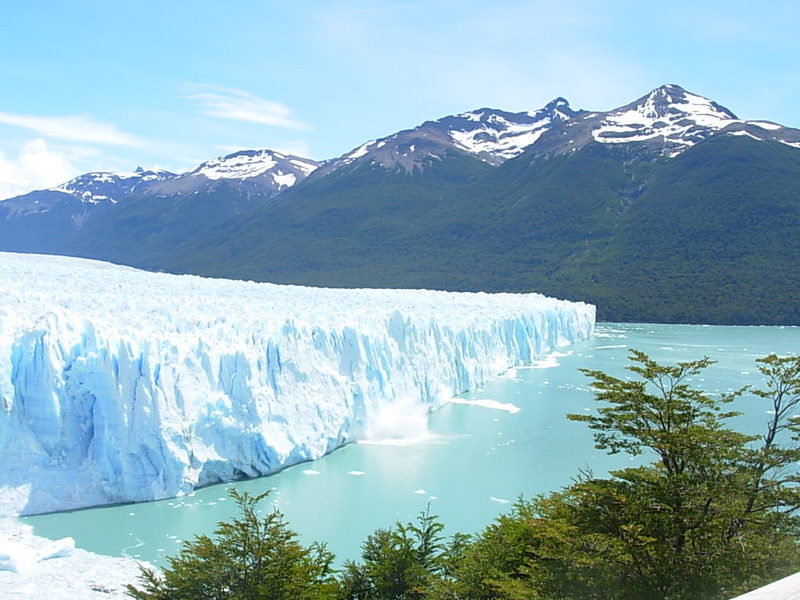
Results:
[495, 136]
[249, 174]
[256, 171]
[489, 134]
[666, 122]
[669, 112]
[98, 186]
[85, 192]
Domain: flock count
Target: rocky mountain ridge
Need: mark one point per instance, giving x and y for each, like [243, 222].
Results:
[669, 208]
[666, 121]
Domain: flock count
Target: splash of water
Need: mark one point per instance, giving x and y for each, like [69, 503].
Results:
[399, 423]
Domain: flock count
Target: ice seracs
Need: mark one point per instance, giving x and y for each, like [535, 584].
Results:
[119, 385]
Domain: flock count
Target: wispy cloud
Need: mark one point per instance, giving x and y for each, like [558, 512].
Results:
[76, 128]
[239, 105]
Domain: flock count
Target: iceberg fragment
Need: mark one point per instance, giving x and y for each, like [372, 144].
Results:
[35, 567]
[119, 385]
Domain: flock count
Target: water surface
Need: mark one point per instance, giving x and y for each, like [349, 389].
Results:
[469, 460]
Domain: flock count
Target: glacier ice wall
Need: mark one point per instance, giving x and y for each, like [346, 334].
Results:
[120, 385]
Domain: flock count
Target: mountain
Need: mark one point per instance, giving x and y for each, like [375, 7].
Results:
[669, 208]
[490, 135]
[263, 172]
[101, 214]
[666, 121]
[85, 191]
[355, 205]
[43, 221]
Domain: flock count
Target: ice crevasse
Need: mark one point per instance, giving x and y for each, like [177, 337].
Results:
[120, 385]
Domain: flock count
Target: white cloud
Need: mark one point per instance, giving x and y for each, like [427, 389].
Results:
[76, 128]
[35, 167]
[239, 105]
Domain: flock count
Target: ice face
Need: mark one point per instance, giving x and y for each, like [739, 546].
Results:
[119, 385]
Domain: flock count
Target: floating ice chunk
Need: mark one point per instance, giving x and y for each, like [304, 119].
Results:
[487, 403]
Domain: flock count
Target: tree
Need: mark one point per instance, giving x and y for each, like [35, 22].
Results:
[405, 562]
[249, 559]
[713, 516]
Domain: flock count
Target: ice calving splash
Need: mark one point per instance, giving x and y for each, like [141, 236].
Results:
[118, 385]
[398, 423]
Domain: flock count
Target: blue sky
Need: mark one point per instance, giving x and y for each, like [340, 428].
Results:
[89, 85]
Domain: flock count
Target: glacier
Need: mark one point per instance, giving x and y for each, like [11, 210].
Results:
[119, 385]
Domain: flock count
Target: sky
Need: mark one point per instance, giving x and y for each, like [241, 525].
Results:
[93, 85]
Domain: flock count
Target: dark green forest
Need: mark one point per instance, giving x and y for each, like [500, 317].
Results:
[709, 236]
[713, 516]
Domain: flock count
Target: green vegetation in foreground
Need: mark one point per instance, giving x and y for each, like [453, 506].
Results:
[712, 517]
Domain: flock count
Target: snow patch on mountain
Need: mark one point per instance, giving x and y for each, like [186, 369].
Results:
[506, 141]
[362, 150]
[496, 136]
[769, 125]
[238, 165]
[252, 163]
[284, 180]
[119, 385]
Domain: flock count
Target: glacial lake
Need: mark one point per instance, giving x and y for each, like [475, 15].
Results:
[469, 460]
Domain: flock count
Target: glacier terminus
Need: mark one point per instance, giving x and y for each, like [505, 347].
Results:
[119, 385]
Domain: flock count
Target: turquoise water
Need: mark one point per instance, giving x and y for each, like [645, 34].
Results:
[468, 460]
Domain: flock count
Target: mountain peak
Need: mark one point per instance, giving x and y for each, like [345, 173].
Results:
[247, 164]
[557, 103]
[669, 118]
[672, 97]
[496, 135]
